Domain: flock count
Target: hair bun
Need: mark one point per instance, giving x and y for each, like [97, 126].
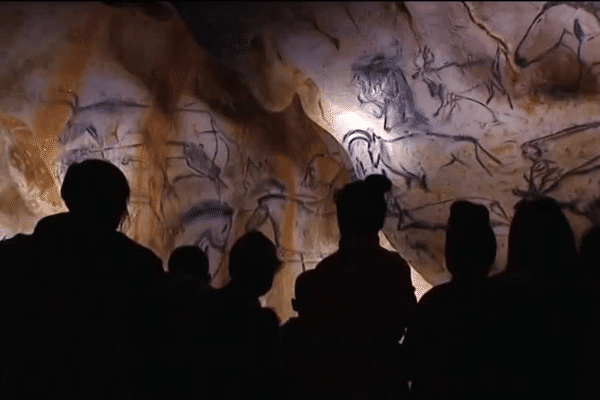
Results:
[379, 183]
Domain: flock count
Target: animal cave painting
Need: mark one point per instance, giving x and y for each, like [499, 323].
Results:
[109, 114]
[274, 204]
[323, 174]
[367, 160]
[590, 211]
[256, 182]
[384, 90]
[196, 158]
[387, 153]
[573, 27]
[321, 167]
[78, 125]
[100, 122]
[124, 157]
[207, 225]
[194, 152]
[450, 100]
[200, 163]
[427, 216]
[272, 210]
[554, 160]
[119, 155]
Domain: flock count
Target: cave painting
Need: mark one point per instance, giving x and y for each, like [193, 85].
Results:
[208, 226]
[488, 102]
[322, 177]
[570, 28]
[549, 166]
[427, 216]
[383, 89]
[382, 84]
[388, 153]
[271, 209]
[452, 92]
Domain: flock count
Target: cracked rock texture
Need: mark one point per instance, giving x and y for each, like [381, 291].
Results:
[228, 117]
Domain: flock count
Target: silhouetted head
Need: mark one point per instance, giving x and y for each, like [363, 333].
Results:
[301, 289]
[189, 260]
[253, 263]
[470, 241]
[96, 192]
[589, 254]
[540, 239]
[361, 206]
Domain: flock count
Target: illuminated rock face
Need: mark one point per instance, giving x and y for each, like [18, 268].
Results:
[227, 118]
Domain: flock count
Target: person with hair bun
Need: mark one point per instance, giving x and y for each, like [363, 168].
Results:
[450, 336]
[362, 299]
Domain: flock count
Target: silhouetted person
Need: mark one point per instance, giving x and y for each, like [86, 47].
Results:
[88, 298]
[363, 299]
[301, 365]
[247, 336]
[17, 313]
[589, 259]
[189, 305]
[300, 302]
[190, 262]
[589, 349]
[535, 305]
[451, 334]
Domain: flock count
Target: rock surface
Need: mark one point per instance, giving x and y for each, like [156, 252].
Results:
[228, 117]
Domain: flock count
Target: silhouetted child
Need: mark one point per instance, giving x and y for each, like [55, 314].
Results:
[535, 305]
[88, 298]
[190, 303]
[297, 345]
[247, 335]
[300, 303]
[450, 335]
[363, 299]
[190, 262]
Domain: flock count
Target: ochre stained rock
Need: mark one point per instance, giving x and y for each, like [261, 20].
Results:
[231, 118]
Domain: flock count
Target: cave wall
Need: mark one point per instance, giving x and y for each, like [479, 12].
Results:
[228, 117]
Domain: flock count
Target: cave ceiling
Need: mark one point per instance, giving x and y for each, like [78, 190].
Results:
[227, 117]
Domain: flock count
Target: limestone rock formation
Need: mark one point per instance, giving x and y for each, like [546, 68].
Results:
[228, 117]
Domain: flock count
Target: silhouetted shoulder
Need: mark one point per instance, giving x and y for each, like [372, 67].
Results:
[145, 258]
[327, 263]
[394, 268]
[15, 251]
[394, 259]
[381, 255]
[291, 327]
[264, 320]
[392, 255]
[269, 318]
[433, 294]
[52, 223]
[427, 313]
[14, 242]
